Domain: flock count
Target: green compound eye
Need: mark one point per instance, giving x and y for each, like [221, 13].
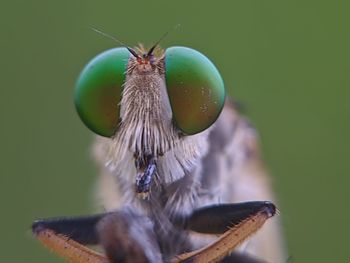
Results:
[195, 89]
[99, 89]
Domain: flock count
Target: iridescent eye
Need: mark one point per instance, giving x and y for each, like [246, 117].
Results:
[99, 90]
[195, 89]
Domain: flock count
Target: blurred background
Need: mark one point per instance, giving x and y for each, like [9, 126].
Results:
[286, 61]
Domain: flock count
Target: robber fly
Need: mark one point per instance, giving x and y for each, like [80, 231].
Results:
[181, 175]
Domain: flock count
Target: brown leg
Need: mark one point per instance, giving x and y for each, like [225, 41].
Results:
[236, 232]
[67, 248]
[124, 236]
[127, 237]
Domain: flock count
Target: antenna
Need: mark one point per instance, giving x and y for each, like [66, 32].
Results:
[149, 53]
[133, 52]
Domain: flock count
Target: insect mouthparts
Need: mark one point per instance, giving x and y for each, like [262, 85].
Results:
[146, 168]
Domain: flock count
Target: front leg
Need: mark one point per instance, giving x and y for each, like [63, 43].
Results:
[217, 219]
[62, 236]
[236, 222]
[124, 236]
[127, 237]
[80, 229]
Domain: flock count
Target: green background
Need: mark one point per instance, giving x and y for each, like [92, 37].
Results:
[287, 61]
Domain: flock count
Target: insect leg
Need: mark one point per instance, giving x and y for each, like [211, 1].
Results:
[80, 229]
[124, 236]
[236, 221]
[67, 237]
[217, 219]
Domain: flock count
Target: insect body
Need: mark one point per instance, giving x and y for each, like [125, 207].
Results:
[174, 157]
